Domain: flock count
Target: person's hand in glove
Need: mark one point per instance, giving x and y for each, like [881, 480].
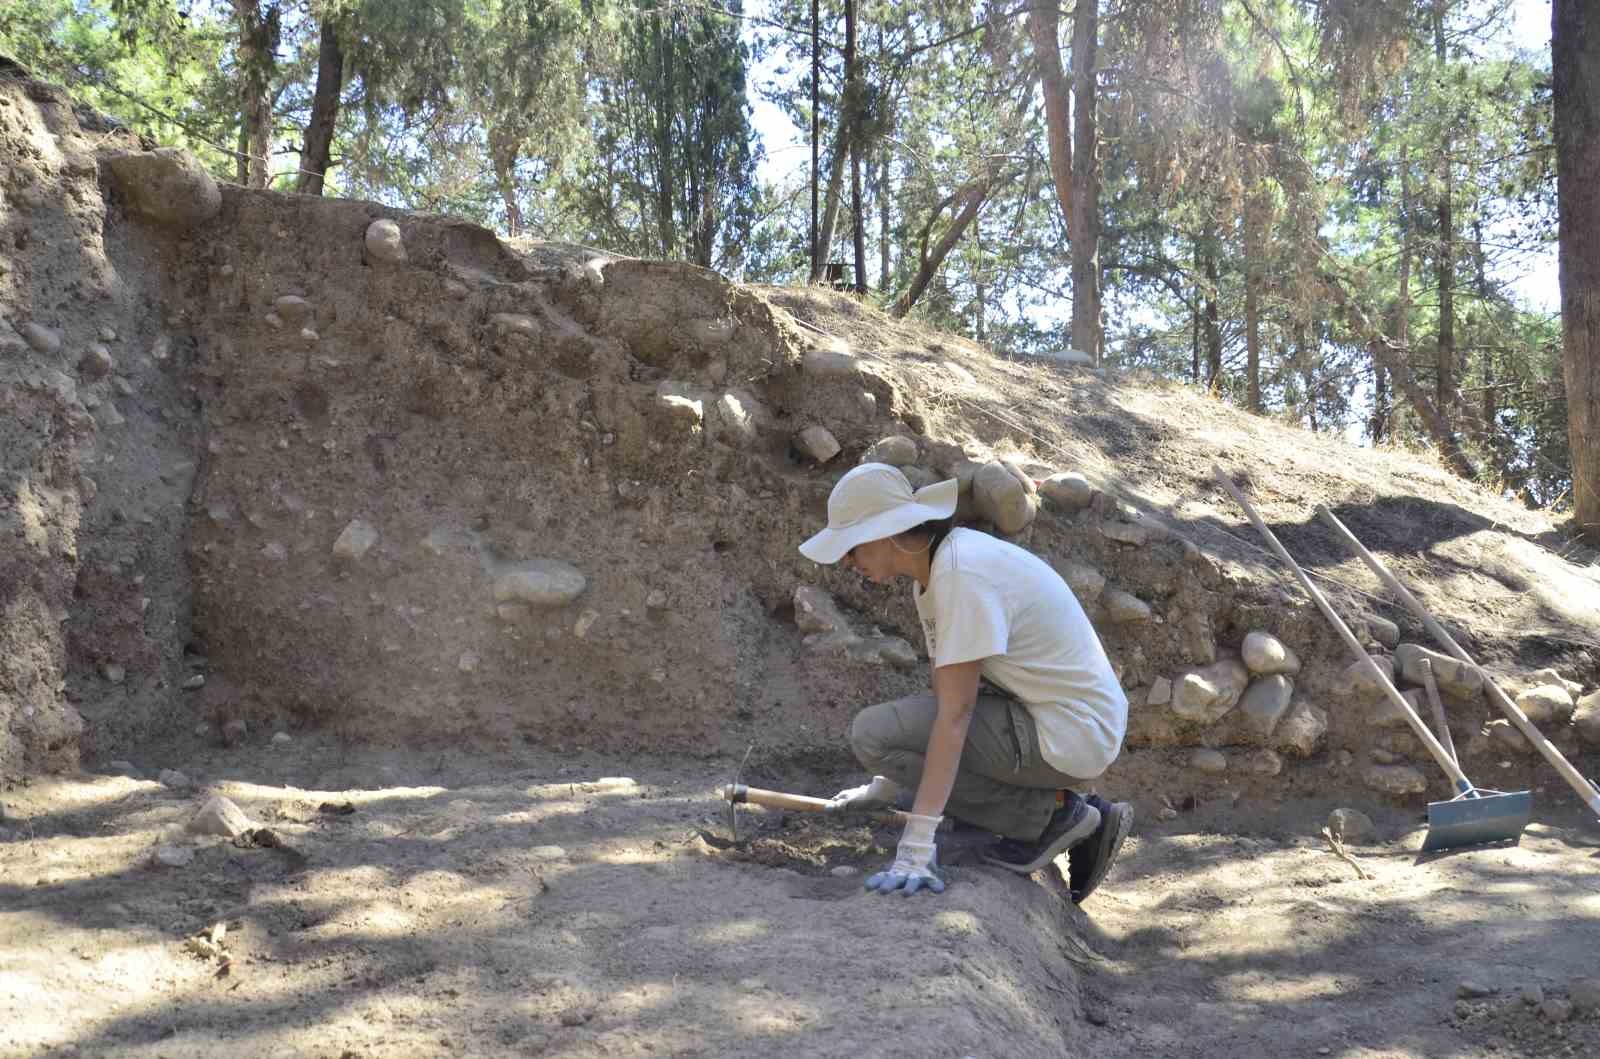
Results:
[916, 862]
[863, 799]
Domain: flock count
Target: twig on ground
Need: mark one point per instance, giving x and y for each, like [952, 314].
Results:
[1335, 844]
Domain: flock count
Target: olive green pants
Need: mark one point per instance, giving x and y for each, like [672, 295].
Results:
[1002, 784]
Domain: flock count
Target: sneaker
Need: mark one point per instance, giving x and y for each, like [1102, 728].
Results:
[1089, 861]
[1068, 825]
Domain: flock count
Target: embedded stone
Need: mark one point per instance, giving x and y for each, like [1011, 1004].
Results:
[817, 443]
[1586, 719]
[515, 325]
[173, 856]
[1004, 496]
[1358, 682]
[919, 477]
[1067, 491]
[816, 611]
[1386, 714]
[1266, 654]
[829, 364]
[1264, 763]
[96, 362]
[1160, 692]
[1505, 735]
[544, 583]
[1453, 677]
[1383, 630]
[384, 243]
[735, 423]
[1394, 779]
[679, 405]
[292, 309]
[1264, 703]
[1302, 731]
[1124, 608]
[894, 450]
[1204, 759]
[1546, 704]
[1351, 825]
[1205, 695]
[355, 540]
[1085, 581]
[41, 339]
[174, 779]
[167, 186]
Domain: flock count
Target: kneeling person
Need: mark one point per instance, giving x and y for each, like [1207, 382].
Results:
[1011, 763]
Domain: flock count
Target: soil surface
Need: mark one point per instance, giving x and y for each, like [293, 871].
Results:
[578, 906]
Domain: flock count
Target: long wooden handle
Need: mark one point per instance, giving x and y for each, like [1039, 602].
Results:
[1575, 779]
[1445, 761]
[1439, 720]
[738, 792]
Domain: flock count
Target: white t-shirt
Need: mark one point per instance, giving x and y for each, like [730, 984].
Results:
[994, 601]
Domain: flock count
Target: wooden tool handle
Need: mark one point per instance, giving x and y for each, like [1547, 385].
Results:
[1446, 762]
[738, 792]
[1586, 790]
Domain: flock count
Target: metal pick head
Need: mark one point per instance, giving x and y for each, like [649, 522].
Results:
[733, 810]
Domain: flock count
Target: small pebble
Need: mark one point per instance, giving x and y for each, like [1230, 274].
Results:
[1556, 1010]
[282, 737]
[1469, 990]
[174, 779]
[844, 871]
[195, 682]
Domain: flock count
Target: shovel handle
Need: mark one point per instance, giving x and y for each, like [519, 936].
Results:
[1446, 762]
[1586, 790]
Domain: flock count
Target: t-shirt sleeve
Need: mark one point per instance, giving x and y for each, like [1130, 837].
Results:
[971, 620]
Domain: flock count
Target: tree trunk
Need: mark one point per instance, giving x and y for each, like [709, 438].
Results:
[1387, 353]
[1213, 325]
[965, 205]
[1575, 70]
[883, 218]
[1252, 304]
[1083, 227]
[317, 151]
[830, 208]
[1445, 262]
[258, 40]
[980, 293]
[1400, 326]
[858, 235]
[1194, 337]
[666, 153]
[503, 157]
[1044, 26]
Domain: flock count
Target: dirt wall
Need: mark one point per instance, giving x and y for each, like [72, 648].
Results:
[275, 461]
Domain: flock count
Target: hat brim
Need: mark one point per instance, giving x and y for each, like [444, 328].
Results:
[929, 504]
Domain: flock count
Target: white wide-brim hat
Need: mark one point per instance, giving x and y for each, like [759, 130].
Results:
[874, 501]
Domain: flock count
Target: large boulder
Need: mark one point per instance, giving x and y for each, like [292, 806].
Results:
[168, 186]
[1586, 719]
[1005, 496]
[1265, 654]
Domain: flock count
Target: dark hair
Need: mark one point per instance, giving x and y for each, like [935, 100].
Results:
[935, 530]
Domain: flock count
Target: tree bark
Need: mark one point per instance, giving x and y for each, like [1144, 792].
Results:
[317, 151]
[1044, 26]
[1575, 70]
[965, 205]
[1400, 327]
[1213, 326]
[1083, 227]
[258, 40]
[1445, 260]
[1252, 304]
[858, 235]
[883, 218]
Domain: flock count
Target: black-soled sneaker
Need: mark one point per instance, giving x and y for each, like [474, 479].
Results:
[1089, 861]
[1069, 825]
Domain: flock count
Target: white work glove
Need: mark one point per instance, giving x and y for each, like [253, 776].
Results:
[916, 862]
[863, 799]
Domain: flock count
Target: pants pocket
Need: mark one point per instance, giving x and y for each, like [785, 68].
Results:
[1019, 735]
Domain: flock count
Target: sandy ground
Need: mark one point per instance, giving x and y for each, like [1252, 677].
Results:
[539, 905]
